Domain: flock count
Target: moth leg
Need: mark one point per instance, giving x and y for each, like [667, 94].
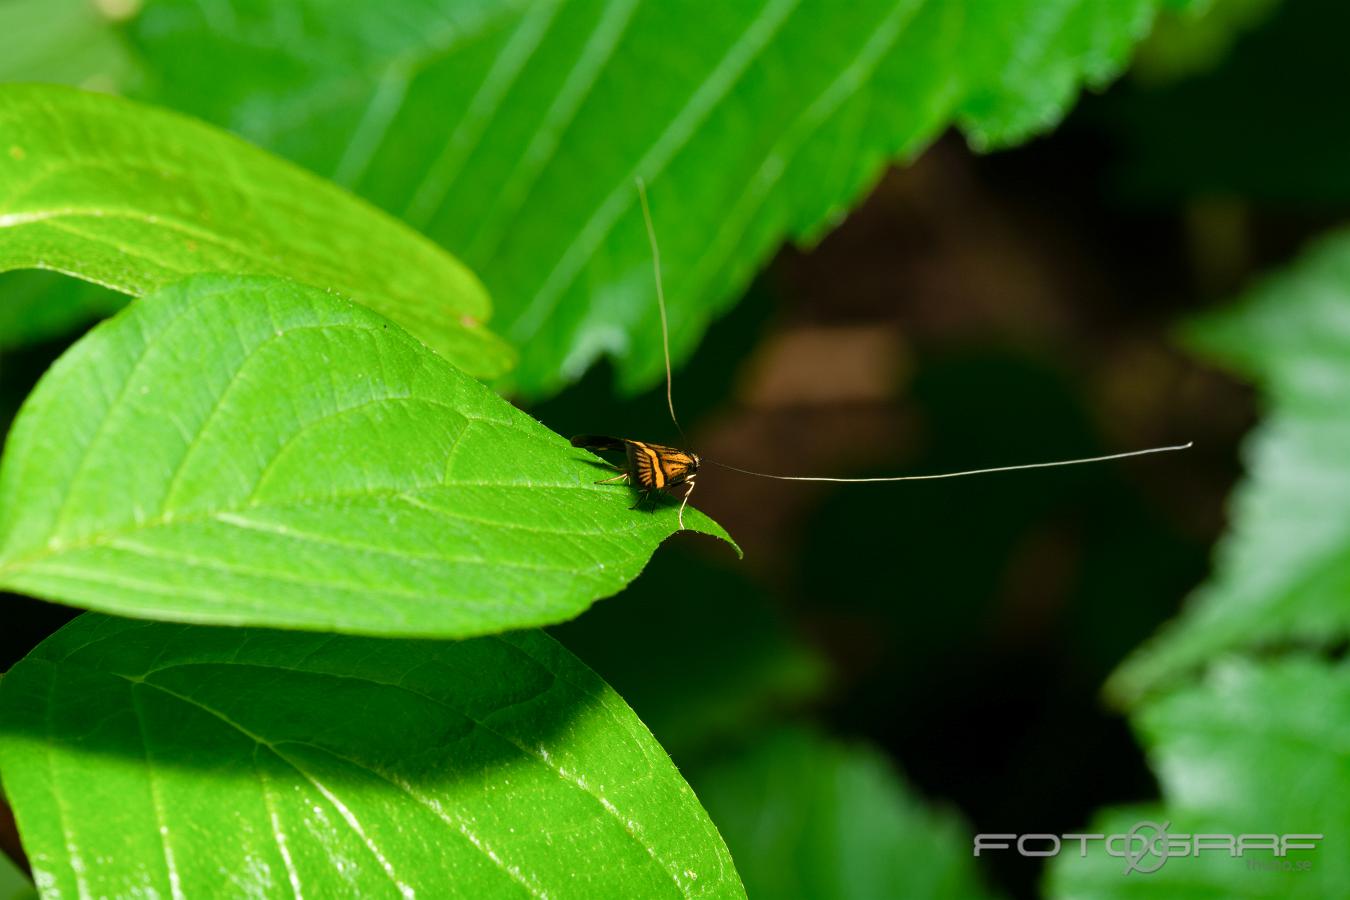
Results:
[622, 476]
[685, 502]
[643, 497]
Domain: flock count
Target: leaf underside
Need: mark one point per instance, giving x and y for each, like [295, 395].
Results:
[512, 132]
[134, 198]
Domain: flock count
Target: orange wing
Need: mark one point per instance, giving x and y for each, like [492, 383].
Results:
[655, 466]
[645, 464]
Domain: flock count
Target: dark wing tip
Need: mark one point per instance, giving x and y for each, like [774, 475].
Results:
[597, 442]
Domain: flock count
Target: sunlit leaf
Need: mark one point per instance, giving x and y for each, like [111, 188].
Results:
[253, 451]
[146, 759]
[512, 132]
[1282, 573]
[134, 198]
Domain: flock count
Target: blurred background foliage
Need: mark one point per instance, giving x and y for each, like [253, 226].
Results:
[974, 310]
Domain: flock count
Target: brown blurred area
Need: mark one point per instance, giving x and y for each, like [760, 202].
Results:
[958, 251]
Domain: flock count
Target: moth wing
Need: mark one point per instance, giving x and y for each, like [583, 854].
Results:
[642, 460]
[677, 465]
[599, 442]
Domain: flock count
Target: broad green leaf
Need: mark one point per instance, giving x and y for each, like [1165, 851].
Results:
[254, 451]
[808, 818]
[512, 133]
[133, 198]
[1283, 571]
[1254, 749]
[692, 684]
[71, 42]
[147, 759]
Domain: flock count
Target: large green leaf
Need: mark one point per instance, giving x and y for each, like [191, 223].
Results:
[1255, 749]
[146, 759]
[134, 198]
[808, 818]
[512, 133]
[253, 451]
[1283, 572]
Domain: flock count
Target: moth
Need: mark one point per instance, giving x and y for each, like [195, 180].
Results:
[652, 468]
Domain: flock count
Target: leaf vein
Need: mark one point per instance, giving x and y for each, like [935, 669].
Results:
[709, 93]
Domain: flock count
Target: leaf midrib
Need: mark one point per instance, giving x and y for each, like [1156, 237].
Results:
[739, 56]
[166, 516]
[109, 536]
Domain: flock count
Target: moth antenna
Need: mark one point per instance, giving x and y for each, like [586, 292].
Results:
[660, 297]
[1040, 465]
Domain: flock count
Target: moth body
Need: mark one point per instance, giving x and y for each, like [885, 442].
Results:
[651, 467]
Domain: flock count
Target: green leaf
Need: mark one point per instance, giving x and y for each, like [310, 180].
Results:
[250, 451]
[512, 133]
[1282, 573]
[1254, 749]
[134, 198]
[146, 759]
[808, 818]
